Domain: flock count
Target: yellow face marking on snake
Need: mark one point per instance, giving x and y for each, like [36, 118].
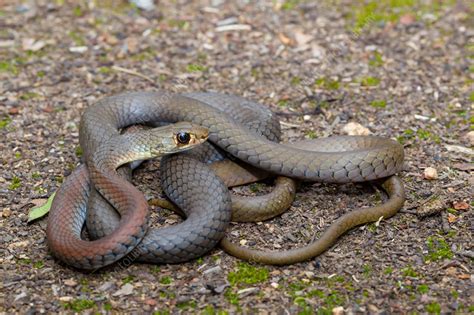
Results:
[183, 139]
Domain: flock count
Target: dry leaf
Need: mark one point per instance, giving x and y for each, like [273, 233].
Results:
[460, 205]
[6, 212]
[452, 218]
[407, 19]
[464, 276]
[285, 39]
[470, 137]
[13, 111]
[32, 44]
[70, 282]
[151, 302]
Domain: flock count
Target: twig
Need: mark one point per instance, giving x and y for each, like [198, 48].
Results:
[233, 27]
[285, 124]
[467, 253]
[132, 72]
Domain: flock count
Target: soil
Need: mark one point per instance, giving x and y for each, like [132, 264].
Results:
[400, 69]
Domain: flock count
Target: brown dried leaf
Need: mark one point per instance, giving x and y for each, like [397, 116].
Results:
[452, 218]
[407, 19]
[464, 276]
[13, 111]
[285, 39]
[460, 205]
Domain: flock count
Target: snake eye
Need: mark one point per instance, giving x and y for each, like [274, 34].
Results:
[183, 137]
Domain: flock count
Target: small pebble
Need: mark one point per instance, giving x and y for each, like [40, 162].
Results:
[127, 289]
[421, 117]
[19, 244]
[151, 302]
[55, 289]
[338, 310]
[247, 291]
[78, 49]
[213, 270]
[430, 173]
[6, 212]
[70, 282]
[459, 149]
[355, 129]
[146, 5]
[20, 296]
[106, 286]
[32, 44]
[373, 309]
[470, 137]
[221, 288]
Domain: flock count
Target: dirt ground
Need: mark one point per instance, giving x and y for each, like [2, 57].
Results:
[400, 69]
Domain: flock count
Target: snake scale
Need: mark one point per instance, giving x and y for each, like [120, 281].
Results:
[201, 193]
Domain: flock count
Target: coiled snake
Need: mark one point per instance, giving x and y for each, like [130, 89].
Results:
[237, 127]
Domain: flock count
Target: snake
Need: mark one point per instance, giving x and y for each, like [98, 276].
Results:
[363, 163]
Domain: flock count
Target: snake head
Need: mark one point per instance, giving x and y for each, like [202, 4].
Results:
[179, 137]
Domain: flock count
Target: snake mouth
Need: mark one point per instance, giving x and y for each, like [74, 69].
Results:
[203, 137]
[200, 136]
[198, 140]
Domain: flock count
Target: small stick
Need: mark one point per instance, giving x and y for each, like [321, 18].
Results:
[467, 253]
[128, 71]
[285, 124]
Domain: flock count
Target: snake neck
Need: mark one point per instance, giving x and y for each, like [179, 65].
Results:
[118, 151]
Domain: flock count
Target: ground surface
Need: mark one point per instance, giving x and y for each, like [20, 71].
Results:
[399, 68]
